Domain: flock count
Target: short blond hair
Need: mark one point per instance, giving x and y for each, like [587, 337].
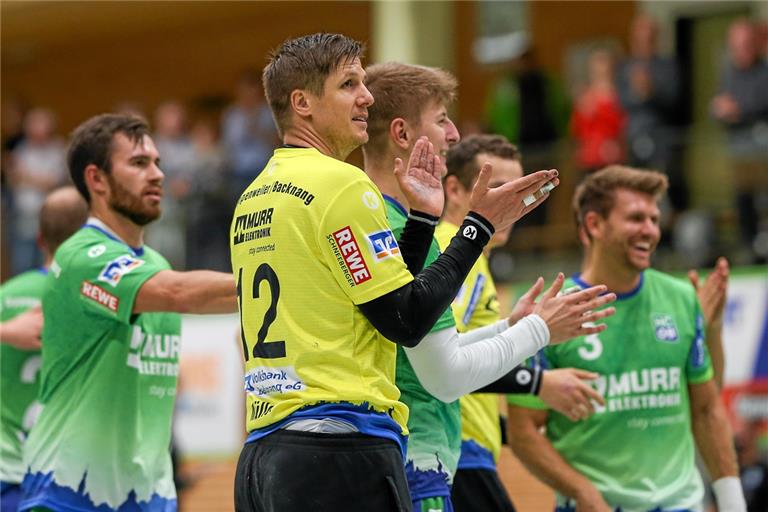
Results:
[596, 193]
[403, 90]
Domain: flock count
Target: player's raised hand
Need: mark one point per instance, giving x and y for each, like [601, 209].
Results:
[572, 315]
[567, 391]
[504, 205]
[422, 180]
[712, 292]
[525, 304]
[24, 330]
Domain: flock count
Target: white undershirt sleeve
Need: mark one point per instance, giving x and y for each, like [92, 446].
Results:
[449, 367]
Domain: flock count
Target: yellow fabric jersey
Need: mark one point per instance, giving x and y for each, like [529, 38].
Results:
[475, 306]
[309, 241]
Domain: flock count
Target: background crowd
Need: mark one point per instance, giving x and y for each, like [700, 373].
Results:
[620, 107]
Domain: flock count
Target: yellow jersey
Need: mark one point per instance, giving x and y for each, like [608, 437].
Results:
[475, 306]
[309, 241]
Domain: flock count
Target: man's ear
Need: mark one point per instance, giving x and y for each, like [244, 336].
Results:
[398, 132]
[452, 186]
[302, 102]
[593, 225]
[95, 180]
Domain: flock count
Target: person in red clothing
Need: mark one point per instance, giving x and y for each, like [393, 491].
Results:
[598, 121]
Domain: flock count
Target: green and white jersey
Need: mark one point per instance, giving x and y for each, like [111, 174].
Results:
[108, 383]
[434, 443]
[638, 449]
[20, 375]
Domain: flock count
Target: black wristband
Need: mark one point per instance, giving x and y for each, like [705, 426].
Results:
[423, 217]
[520, 380]
[476, 229]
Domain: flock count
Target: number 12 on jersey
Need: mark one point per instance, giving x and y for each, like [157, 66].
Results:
[262, 349]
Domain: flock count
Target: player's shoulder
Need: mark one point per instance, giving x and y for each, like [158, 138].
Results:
[671, 285]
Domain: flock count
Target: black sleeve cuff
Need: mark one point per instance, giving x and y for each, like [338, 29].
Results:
[476, 229]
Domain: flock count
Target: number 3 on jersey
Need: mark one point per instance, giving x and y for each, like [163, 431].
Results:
[262, 349]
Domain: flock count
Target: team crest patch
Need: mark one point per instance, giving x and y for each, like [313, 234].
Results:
[383, 244]
[664, 327]
[118, 267]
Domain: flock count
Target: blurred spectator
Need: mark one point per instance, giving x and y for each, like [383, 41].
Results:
[598, 121]
[530, 108]
[649, 90]
[742, 106]
[177, 158]
[209, 210]
[37, 166]
[248, 133]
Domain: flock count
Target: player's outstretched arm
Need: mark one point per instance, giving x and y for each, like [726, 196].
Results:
[538, 455]
[196, 291]
[714, 440]
[450, 366]
[23, 331]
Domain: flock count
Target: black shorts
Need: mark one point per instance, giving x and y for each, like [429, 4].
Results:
[290, 471]
[479, 490]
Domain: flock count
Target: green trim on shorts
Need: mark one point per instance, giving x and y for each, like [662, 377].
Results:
[436, 504]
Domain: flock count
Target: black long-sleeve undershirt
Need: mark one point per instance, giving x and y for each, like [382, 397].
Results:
[407, 314]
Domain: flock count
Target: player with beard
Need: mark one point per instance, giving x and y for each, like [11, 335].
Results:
[111, 336]
[661, 402]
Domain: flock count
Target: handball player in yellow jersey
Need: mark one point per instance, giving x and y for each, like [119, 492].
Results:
[325, 290]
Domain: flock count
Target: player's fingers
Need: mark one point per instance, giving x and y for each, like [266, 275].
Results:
[534, 290]
[593, 316]
[586, 330]
[399, 170]
[584, 374]
[530, 183]
[484, 177]
[418, 153]
[693, 277]
[429, 161]
[591, 394]
[438, 167]
[587, 295]
[555, 287]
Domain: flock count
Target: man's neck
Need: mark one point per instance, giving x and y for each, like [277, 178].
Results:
[124, 228]
[306, 137]
[454, 214]
[381, 172]
[599, 269]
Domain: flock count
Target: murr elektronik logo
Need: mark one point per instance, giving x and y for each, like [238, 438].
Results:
[664, 327]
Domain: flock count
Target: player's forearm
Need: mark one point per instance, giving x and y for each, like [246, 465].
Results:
[716, 353]
[407, 314]
[538, 455]
[416, 239]
[714, 439]
[448, 370]
[209, 292]
[197, 292]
